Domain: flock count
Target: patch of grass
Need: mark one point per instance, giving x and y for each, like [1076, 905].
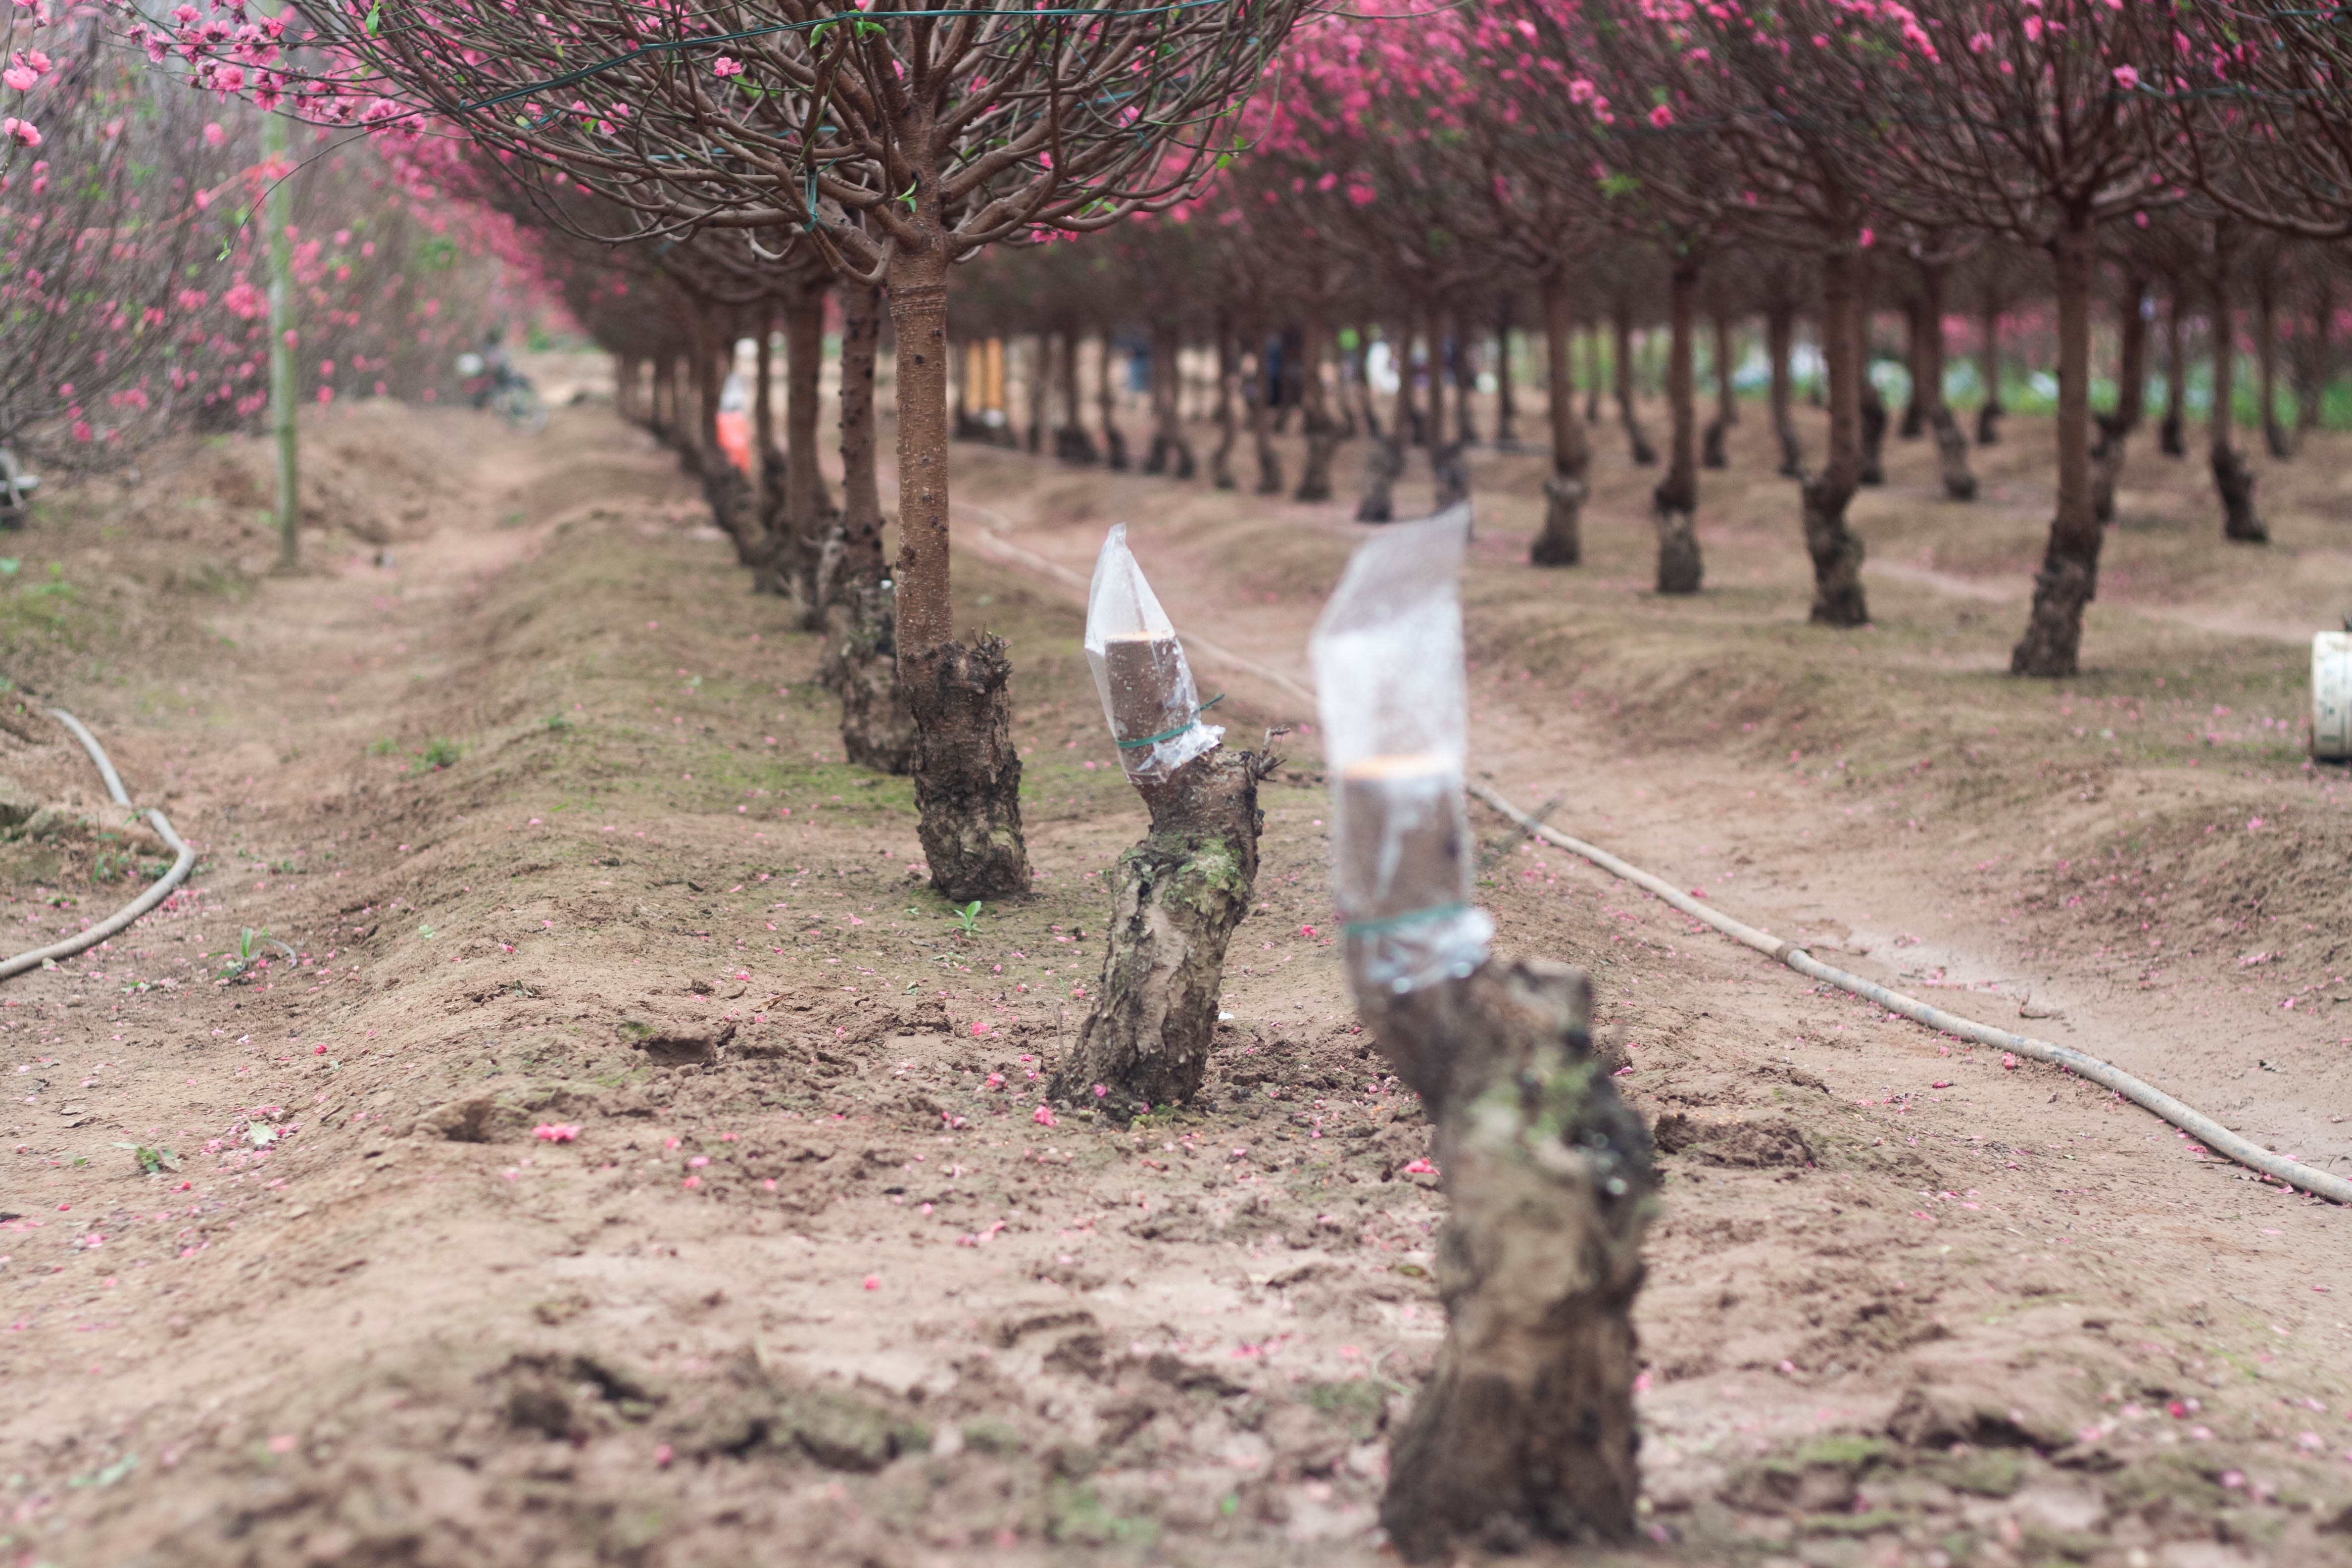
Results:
[438, 753]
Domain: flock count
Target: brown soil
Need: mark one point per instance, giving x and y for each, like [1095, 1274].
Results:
[815, 1281]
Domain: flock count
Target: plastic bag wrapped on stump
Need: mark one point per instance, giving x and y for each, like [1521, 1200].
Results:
[1140, 668]
[1387, 652]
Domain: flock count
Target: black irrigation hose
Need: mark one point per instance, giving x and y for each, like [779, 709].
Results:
[2196, 1123]
[186, 861]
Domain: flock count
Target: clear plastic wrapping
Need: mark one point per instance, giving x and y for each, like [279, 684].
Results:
[1387, 652]
[1141, 671]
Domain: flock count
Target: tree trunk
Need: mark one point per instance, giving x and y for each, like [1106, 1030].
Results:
[1261, 423]
[1106, 407]
[1928, 383]
[1041, 384]
[1465, 378]
[768, 460]
[1221, 461]
[2171, 436]
[1384, 464]
[1621, 346]
[1145, 1041]
[1674, 502]
[2070, 566]
[2266, 365]
[967, 776]
[1873, 414]
[1524, 1431]
[1507, 402]
[1779, 334]
[2317, 360]
[1322, 431]
[734, 504]
[1726, 407]
[2131, 398]
[1561, 543]
[1836, 551]
[1073, 443]
[859, 662]
[2232, 480]
[1914, 407]
[1168, 438]
[1988, 414]
[1592, 375]
[795, 554]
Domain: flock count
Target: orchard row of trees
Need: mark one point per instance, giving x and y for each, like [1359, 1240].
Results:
[134, 261]
[1261, 170]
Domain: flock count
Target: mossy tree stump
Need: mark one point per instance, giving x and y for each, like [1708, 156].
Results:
[967, 775]
[1524, 1432]
[1182, 891]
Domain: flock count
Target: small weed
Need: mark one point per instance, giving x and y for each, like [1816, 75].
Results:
[558, 722]
[380, 748]
[152, 1161]
[427, 933]
[968, 918]
[249, 952]
[9, 565]
[437, 754]
[283, 867]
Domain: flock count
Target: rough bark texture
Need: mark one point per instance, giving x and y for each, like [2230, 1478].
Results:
[859, 663]
[1182, 891]
[1561, 543]
[1637, 440]
[2131, 398]
[2070, 565]
[1779, 330]
[1674, 502]
[1835, 549]
[1383, 466]
[967, 775]
[1524, 1432]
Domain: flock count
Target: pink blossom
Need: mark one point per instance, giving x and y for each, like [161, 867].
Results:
[1661, 116]
[724, 66]
[873, 1283]
[19, 77]
[1043, 1116]
[215, 135]
[2127, 76]
[555, 1133]
[22, 133]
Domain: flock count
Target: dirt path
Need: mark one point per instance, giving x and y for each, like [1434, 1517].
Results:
[815, 1280]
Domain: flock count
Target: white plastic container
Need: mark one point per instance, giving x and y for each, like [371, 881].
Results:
[2331, 697]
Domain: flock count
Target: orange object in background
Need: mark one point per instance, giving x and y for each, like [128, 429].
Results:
[735, 437]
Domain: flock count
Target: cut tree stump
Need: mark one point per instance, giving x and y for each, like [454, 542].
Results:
[1525, 1433]
[1181, 890]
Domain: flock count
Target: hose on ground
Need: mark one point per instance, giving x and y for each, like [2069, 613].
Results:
[2198, 1125]
[183, 861]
